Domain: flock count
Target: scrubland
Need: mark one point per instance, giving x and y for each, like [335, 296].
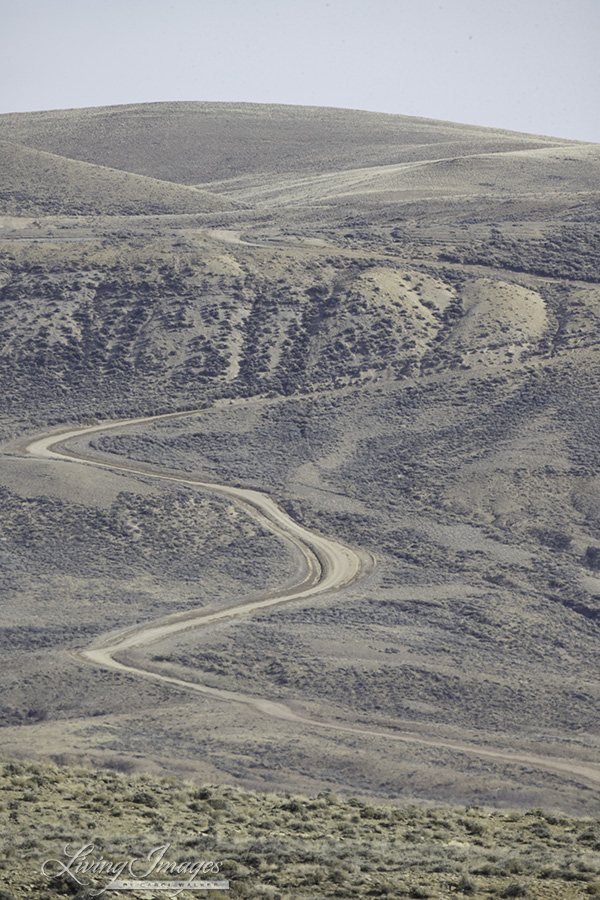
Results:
[280, 844]
[391, 326]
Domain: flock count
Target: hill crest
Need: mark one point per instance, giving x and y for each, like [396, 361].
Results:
[195, 142]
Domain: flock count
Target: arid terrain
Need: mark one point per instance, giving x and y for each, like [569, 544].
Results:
[386, 326]
[279, 844]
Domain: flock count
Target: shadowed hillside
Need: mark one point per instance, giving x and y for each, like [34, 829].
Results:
[36, 183]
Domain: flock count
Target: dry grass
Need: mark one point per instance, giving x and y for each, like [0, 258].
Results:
[36, 183]
[285, 846]
[194, 143]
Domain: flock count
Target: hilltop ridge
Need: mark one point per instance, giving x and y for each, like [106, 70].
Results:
[193, 143]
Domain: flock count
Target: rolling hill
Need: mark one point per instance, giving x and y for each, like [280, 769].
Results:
[189, 143]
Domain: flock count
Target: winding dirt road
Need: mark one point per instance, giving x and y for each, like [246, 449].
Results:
[330, 566]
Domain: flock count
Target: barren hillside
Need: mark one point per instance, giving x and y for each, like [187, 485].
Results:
[390, 326]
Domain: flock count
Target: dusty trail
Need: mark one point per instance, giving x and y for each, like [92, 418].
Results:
[330, 566]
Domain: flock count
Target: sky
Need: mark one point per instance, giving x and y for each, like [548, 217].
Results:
[525, 65]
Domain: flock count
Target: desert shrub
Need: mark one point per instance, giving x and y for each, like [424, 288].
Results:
[516, 889]
[202, 794]
[293, 806]
[592, 557]
[589, 836]
[145, 798]
[466, 885]
[555, 540]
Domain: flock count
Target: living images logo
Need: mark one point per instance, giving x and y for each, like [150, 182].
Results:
[155, 871]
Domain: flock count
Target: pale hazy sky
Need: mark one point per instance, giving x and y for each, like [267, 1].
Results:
[527, 65]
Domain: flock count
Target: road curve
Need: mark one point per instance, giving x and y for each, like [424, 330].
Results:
[330, 566]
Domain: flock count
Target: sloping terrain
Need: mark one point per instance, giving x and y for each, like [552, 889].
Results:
[36, 183]
[189, 143]
[298, 846]
[389, 325]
